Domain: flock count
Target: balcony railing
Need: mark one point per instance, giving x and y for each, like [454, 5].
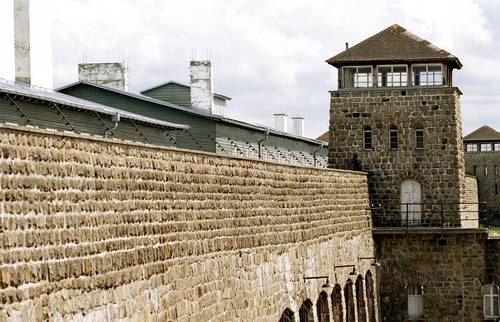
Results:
[428, 215]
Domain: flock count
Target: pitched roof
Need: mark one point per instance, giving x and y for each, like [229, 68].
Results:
[195, 111]
[393, 44]
[324, 137]
[78, 103]
[184, 85]
[484, 133]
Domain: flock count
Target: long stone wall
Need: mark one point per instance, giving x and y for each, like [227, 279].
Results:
[99, 230]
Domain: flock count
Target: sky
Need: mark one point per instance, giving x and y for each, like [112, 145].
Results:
[269, 56]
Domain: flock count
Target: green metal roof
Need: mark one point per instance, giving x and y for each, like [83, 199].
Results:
[224, 97]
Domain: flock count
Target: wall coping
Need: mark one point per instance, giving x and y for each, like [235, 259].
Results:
[428, 231]
[97, 138]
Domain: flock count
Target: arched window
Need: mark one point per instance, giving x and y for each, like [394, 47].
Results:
[370, 297]
[491, 301]
[306, 312]
[349, 302]
[322, 308]
[360, 298]
[337, 307]
[393, 138]
[287, 316]
[367, 138]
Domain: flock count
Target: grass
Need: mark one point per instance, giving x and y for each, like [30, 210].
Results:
[494, 230]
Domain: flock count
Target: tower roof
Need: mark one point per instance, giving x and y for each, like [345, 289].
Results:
[391, 45]
[484, 133]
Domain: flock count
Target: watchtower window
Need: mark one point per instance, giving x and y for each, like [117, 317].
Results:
[367, 138]
[390, 76]
[427, 75]
[419, 138]
[393, 138]
[497, 146]
[485, 146]
[361, 76]
[471, 147]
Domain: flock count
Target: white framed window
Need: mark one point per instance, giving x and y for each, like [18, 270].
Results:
[485, 146]
[491, 301]
[496, 146]
[391, 76]
[427, 75]
[357, 76]
[471, 147]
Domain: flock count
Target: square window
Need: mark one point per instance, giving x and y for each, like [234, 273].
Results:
[367, 139]
[354, 77]
[497, 146]
[427, 75]
[485, 146]
[471, 147]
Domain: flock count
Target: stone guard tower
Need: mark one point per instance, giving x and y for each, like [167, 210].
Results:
[396, 115]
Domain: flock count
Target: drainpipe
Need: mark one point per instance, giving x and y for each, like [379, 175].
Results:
[115, 118]
[260, 143]
[314, 153]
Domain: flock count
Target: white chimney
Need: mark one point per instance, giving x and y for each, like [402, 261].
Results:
[33, 42]
[280, 122]
[113, 75]
[202, 95]
[298, 125]
[7, 66]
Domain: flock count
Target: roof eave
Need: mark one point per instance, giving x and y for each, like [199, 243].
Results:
[455, 62]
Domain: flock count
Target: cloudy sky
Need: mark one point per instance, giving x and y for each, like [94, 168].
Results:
[269, 55]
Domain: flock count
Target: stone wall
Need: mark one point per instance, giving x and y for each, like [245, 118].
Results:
[450, 267]
[99, 230]
[485, 166]
[438, 167]
[470, 212]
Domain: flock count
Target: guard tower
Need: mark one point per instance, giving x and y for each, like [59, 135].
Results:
[397, 116]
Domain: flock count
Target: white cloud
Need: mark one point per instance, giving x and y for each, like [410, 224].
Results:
[269, 55]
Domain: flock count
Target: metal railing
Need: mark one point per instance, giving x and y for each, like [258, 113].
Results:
[429, 215]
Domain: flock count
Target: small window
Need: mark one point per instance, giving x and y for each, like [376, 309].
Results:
[427, 75]
[497, 146]
[415, 302]
[367, 138]
[357, 77]
[491, 301]
[393, 138]
[496, 189]
[485, 170]
[471, 147]
[474, 170]
[485, 146]
[390, 76]
[419, 138]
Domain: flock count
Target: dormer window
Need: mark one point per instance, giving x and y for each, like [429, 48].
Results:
[357, 77]
[391, 76]
[427, 75]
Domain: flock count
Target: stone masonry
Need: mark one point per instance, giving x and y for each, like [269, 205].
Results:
[94, 229]
[438, 167]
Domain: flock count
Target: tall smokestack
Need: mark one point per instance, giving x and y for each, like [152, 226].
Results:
[280, 122]
[114, 75]
[7, 66]
[298, 125]
[33, 42]
[202, 95]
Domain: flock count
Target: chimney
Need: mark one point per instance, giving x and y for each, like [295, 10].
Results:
[280, 122]
[7, 66]
[113, 75]
[202, 95]
[33, 42]
[298, 125]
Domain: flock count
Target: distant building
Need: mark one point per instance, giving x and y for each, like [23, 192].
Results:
[203, 111]
[482, 160]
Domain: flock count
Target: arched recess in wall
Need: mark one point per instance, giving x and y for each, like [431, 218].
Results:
[322, 308]
[350, 306]
[411, 202]
[306, 313]
[287, 316]
[360, 299]
[370, 296]
[337, 307]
